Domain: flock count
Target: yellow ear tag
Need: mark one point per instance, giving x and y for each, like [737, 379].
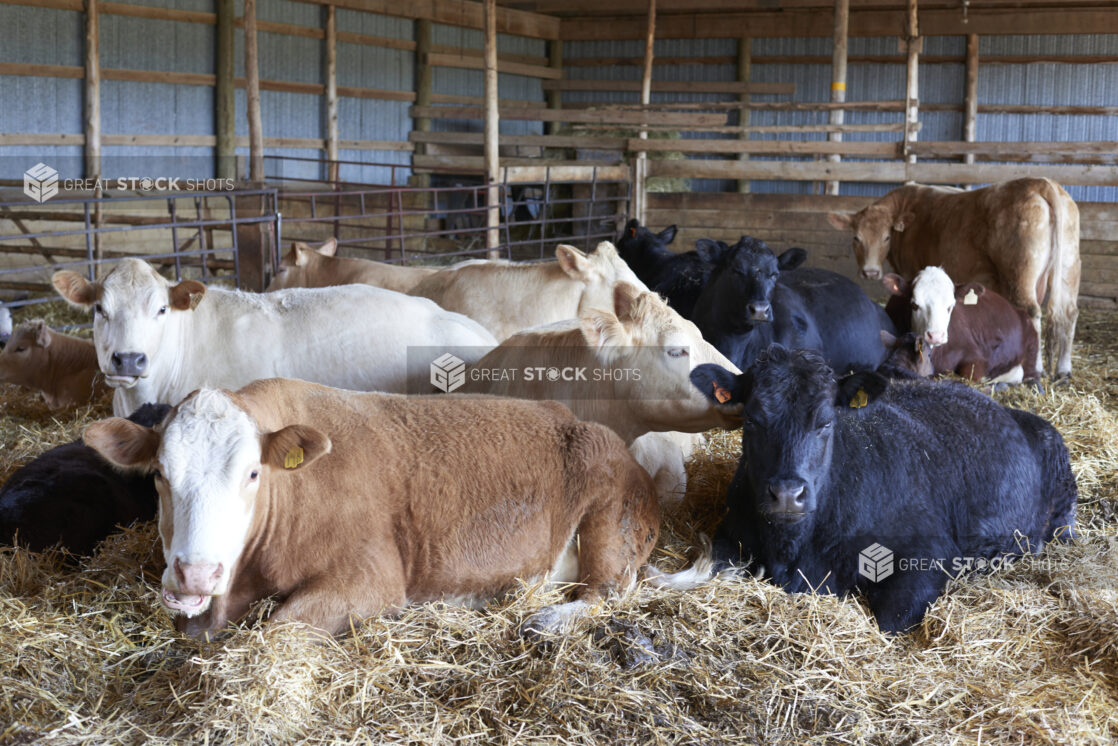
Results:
[860, 400]
[293, 458]
[919, 347]
[723, 395]
[971, 298]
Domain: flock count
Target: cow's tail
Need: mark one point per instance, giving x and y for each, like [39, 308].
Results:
[700, 572]
[1061, 306]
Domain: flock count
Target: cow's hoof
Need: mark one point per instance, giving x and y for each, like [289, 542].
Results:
[1063, 379]
[1036, 386]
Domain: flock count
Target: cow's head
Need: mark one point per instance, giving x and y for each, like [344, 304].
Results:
[908, 353]
[932, 296]
[641, 333]
[299, 262]
[211, 462]
[744, 283]
[25, 357]
[637, 240]
[873, 230]
[598, 271]
[789, 401]
[132, 307]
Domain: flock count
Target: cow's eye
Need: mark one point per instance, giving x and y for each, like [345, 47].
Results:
[915, 307]
[887, 237]
[162, 311]
[677, 352]
[100, 311]
[253, 476]
[21, 349]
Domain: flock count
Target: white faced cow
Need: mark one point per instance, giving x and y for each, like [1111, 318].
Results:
[157, 341]
[933, 300]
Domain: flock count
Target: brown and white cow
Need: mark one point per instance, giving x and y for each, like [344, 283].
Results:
[62, 368]
[1019, 238]
[318, 267]
[963, 329]
[344, 505]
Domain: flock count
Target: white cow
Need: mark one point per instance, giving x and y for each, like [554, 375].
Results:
[933, 300]
[157, 342]
[509, 297]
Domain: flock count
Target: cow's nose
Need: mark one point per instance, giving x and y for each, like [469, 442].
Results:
[760, 311]
[935, 338]
[871, 273]
[129, 363]
[788, 495]
[198, 578]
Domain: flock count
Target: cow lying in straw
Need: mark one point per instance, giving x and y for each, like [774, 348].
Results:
[60, 367]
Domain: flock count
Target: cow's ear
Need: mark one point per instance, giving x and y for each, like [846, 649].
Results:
[301, 254]
[859, 389]
[572, 261]
[963, 291]
[625, 297]
[710, 250]
[631, 228]
[187, 295]
[903, 220]
[291, 258]
[122, 442]
[791, 259]
[294, 447]
[42, 334]
[601, 329]
[895, 284]
[668, 234]
[717, 384]
[75, 289]
[888, 340]
[329, 247]
[840, 220]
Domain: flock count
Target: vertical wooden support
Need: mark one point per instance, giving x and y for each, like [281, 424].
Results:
[838, 80]
[640, 183]
[424, 84]
[745, 74]
[970, 99]
[92, 91]
[554, 98]
[225, 102]
[492, 130]
[252, 87]
[332, 93]
[912, 83]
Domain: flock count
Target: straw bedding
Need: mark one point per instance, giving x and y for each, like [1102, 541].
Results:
[1027, 654]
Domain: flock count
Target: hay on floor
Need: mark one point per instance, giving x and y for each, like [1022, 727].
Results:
[1027, 654]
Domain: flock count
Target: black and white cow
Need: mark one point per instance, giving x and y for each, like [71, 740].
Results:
[888, 488]
[72, 497]
[755, 298]
[678, 277]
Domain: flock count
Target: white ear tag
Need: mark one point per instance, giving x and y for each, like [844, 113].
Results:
[971, 298]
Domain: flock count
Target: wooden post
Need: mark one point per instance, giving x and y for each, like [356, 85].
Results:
[745, 73]
[640, 196]
[912, 84]
[252, 87]
[424, 84]
[92, 91]
[492, 129]
[554, 98]
[838, 80]
[225, 102]
[970, 99]
[331, 93]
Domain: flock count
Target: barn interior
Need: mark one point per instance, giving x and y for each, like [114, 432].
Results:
[207, 135]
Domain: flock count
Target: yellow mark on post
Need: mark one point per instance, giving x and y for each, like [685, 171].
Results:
[860, 399]
[293, 458]
[971, 298]
[722, 394]
[838, 86]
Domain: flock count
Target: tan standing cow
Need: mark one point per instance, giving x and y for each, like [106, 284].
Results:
[343, 504]
[62, 368]
[318, 267]
[1019, 238]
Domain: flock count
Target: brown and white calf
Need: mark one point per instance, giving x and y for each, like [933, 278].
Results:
[346, 505]
[963, 329]
[318, 267]
[62, 368]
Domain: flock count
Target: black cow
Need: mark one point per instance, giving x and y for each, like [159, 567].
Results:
[755, 298]
[889, 488]
[72, 497]
[678, 277]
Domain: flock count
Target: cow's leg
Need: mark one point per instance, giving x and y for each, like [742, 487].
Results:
[331, 603]
[1059, 336]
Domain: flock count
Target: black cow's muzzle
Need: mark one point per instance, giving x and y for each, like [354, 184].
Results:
[760, 311]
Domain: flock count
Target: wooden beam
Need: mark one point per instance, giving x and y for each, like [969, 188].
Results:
[543, 141]
[573, 115]
[424, 86]
[225, 101]
[874, 59]
[555, 97]
[92, 91]
[970, 95]
[769, 147]
[670, 86]
[640, 183]
[838, 80]
[492, 130]
[745, 75]
[912, 43]
[331, 102]
[197, 141]
[474, 63]
[252, 78]
[461, 13]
